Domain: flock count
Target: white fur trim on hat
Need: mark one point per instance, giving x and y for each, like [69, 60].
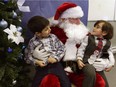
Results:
[53, 22]
[75, 12]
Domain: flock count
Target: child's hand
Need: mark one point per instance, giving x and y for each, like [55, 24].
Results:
[52, 60]
[108, 69]
[40, 63]
[80, 64]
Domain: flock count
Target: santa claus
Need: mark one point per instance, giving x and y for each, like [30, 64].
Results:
[67, 26]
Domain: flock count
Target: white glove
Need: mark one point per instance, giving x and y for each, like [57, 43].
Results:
[100, 64]
[40, 54]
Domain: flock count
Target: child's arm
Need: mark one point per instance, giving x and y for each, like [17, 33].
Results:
[28, 54]
[111, 60]
[59, 49]
[80, 53]
[29, 57]
[81, 49]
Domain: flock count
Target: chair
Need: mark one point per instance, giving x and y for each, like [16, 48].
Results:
[51, 80]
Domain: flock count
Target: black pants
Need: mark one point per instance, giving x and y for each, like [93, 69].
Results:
[73, 65]
[55, 69]
[90, 76]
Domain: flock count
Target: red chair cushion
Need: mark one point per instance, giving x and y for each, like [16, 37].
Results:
[50, 80]
[77, 80]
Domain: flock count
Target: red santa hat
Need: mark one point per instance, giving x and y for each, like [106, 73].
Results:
[68, 10]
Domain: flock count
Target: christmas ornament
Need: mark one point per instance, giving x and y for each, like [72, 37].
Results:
[9, 49]
[23, 47]
[19, 29]
[20, 20]
[14, 14]
[3, 23]
[20, 56]
[14, 82]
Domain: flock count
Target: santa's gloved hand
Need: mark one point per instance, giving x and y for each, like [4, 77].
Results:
[68, 69]
[40, 54]
[100, 64]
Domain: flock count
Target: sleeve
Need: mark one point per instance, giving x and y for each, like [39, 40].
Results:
[81, 49]
[28, 53]
[111, 58]
[59, 51]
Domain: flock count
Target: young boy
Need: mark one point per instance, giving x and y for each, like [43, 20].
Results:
[49, 61]
[95, 53]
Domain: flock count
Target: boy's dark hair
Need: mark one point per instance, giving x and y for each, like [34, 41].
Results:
[107, 27]
[37, 24]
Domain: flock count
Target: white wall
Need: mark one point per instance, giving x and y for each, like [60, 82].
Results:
[102, 9]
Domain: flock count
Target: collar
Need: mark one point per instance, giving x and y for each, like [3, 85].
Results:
[97, 38]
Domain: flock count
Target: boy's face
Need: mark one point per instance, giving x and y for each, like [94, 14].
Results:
[97, 30]
[45, 32]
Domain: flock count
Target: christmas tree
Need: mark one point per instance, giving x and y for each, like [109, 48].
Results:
[12, 64]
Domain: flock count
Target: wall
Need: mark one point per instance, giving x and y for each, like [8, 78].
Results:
[102, 9]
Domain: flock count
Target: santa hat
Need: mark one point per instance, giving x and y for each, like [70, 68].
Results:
[68, 10]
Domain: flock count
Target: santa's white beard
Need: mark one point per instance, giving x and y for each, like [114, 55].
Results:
[75, 34]
[73, 31]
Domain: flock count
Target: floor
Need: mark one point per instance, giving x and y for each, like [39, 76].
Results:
[111, 76]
